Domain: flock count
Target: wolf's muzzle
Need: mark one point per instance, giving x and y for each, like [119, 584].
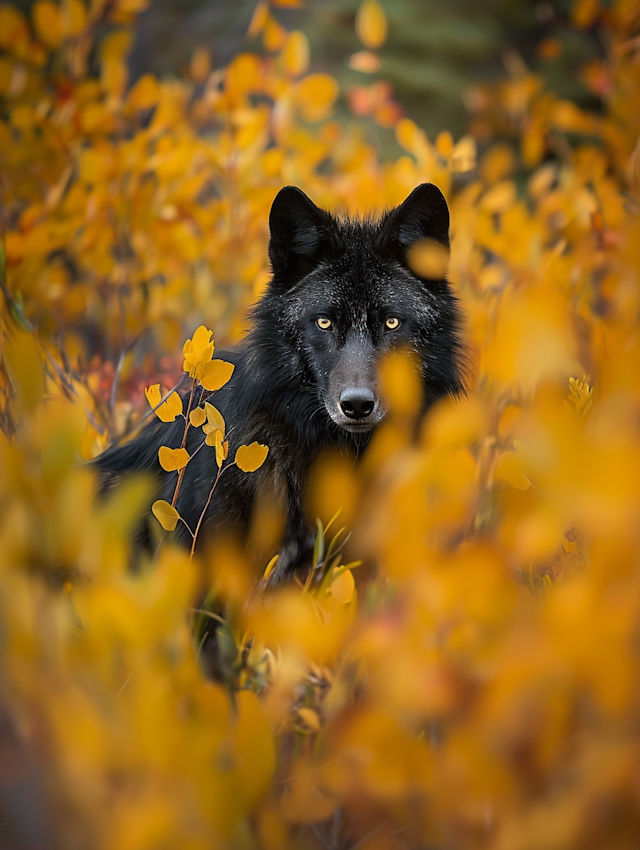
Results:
[357, 402]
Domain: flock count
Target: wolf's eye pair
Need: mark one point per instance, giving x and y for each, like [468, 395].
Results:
[392, 324]
[323, 323]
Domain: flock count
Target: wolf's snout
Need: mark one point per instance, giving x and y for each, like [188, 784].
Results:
[357, 403]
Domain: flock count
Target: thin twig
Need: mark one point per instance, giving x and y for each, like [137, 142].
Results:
[204, 510]
[184, 443]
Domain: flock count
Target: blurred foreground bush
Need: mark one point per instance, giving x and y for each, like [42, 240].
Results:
[483, 690]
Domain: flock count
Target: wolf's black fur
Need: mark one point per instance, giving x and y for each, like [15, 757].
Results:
[301, 388]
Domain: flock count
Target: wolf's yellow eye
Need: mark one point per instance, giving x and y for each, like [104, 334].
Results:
[323, 324]
[392, 324]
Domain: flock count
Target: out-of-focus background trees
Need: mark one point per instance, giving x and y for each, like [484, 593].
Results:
[434, 50]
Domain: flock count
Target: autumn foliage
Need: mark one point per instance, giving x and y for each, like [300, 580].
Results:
[475, 682]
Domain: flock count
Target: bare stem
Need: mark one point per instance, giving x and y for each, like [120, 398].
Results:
[204, 510]
[184, 442]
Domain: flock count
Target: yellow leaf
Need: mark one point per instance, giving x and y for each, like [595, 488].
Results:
[171, 408]
[428, 259]
[215, 420]
[14, 30]
[74, 16]
[214, 436]
[342, 587]
[295, 55]
[222, 452]
[215, 374]
[132, 7]
[258, 19]
[316, 95]
[509, 469]
[114, 76]
[303, 801]
[166, 514]
[48, 23]
[274, 35]
[172, 460]
[444, 144]
[197, 417]
[500, 197]
[144, 94]
[200, 65]
[198, 352]
[371, 24]
[116, 45]
[310, 718]
[464, 155]
[270, 567]
[251, 457]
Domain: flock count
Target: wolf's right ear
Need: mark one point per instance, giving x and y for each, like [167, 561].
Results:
[301, 235]
[423, 215]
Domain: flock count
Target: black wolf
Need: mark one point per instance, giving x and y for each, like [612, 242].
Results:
[305, 380]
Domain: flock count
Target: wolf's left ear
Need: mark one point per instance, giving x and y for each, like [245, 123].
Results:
[423, 215]
[301, 235]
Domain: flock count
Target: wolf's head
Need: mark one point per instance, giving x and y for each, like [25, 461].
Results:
[344, 292]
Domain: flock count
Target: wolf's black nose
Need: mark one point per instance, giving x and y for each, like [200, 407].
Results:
[357, 403]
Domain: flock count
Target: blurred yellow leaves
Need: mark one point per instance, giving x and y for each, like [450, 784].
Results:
[429, 259]
[479, 686]
[295, 54]
[509, 468]
[48, 23]
[316, 95]
[371, 24]
[342, 587]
